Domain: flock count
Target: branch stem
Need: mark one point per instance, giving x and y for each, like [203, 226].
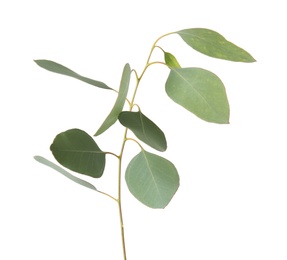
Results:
[120, 195]
[131, 104]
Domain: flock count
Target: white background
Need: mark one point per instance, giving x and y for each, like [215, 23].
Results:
[232, 200]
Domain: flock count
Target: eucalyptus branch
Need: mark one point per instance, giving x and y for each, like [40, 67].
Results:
[197, 90]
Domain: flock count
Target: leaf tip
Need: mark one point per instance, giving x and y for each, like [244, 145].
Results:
[249, 59]
[37, 158]
[38, 61]
[99, 131]
[253, 60]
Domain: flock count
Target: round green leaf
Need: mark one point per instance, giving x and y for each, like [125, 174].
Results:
[153, 180]
[144, 129]
[214, 45]
[78, 151]
[199, 91]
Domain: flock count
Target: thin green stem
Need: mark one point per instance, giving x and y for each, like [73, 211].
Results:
[136, 88]
[135, 105]
[160, 48]
[156, 62]
[112, 154]
[106, 194]
[120, 195]
[131, 139]
[135, 72]
[154, 45]
[120, 176]
[131, 104]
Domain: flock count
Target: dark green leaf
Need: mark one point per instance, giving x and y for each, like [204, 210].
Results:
[119, 104]
[58, 68]
[213, 44]
[170, 60]
[144, 129]
[78, 151]
[199, 91]
[64, 172]
[153, 180]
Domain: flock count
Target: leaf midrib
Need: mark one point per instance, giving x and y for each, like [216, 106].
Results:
[222, 46]
[195, 90]
[152, 176]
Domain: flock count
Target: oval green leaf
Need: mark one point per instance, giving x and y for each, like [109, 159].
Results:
[144, 129]
[59, 169]
[170, 60]
[214, 45]
[153, 180]
[120, 101]
[200, 92]
[78, 151]
[58, 68]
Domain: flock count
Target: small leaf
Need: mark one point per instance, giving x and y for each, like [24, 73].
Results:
[214, 45]
[144, 129]
[153, 180]
[64, 172]
[199, 91]
[170, 60]
[58, 68]
[119, 104]
[78, 151]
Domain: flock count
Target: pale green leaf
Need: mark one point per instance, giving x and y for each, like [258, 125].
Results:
[58, 68]
[77, 151]
[119, 104]
[170, 60]
[144, 129]
[64, 172]
[214, 45]
[199, 91]
[153, 180]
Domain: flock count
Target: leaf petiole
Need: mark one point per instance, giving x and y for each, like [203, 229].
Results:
[131, 139]
[154, 45]
[113, 154]
[106, 194]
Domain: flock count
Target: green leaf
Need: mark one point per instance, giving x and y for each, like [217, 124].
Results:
[58, 68]
[144, 129]
[119, 104]
[213, 44]
[78, 151]
[170, 60]
[64, 172]
[153, 180]
[199, 91]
